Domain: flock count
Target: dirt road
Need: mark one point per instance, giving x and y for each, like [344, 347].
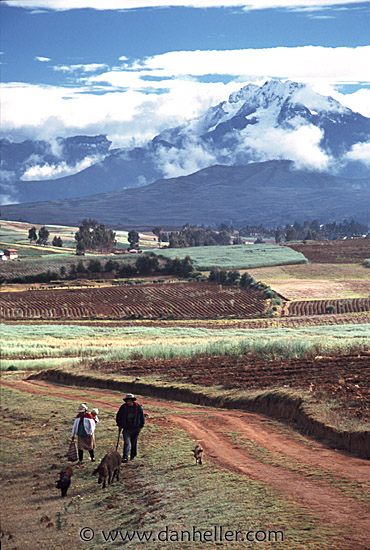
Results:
[214, 428]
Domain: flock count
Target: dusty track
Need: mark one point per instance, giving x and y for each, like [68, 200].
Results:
[210, 426]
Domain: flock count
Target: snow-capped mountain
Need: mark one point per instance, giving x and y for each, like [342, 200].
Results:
[276, 121]
[279, 120]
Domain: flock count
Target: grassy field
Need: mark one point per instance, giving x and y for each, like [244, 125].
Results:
[236, 256]
[114, 343]
[15, 235]
[311, 281]
[157, 490]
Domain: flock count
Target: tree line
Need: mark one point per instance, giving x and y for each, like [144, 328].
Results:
[42, 237]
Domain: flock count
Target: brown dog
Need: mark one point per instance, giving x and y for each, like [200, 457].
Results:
[108, 468]
[64, 480]
[198, 454]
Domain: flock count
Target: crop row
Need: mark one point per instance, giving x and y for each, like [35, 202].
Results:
[319, 307]
[153, 301]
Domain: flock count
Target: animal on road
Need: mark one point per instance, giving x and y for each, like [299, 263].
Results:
[108, 468]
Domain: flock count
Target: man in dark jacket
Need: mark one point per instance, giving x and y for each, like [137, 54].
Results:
[130, 419]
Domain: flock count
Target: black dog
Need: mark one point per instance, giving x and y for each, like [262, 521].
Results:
[198, 454]
[64, 480]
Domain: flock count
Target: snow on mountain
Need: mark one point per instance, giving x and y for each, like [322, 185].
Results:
[280, 120]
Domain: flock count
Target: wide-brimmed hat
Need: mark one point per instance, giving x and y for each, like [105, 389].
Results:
[82, 408]
[129, 396]
[94, 411]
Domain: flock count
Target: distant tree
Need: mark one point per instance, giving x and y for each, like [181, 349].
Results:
[94, 236]
[57, 241]
[147, 264]
[158, 233]
[279, 234]
[63, 270]
[233, 277]
[94, 266]
[80, 268]
[43, 235]
[32, 234]
[133, 239]
[110, 266]
[80, 248]
[291, 234]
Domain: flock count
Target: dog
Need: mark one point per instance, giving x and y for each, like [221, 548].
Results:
[108, 468]
[198, 454]
[64, 480]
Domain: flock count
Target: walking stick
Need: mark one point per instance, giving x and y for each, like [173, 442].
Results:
[119, 433]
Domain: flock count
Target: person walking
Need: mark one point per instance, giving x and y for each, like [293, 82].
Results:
[130, 419]
[84, 427]
[94, 413]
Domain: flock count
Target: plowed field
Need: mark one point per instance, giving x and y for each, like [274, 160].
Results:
[319, 307]
[150, 301]
[350, 251]
[343, 377]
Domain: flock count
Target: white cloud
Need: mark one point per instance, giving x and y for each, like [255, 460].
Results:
[51, 171]
[190, 158]
[361, 152]
[304, 63]
[87, 68]
[42, 59]
[358, 101]
[135, 4]
[125, 104]
[301, 145]
[120, 114]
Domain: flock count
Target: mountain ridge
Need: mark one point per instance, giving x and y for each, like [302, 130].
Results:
[279, 120]
[272, 193]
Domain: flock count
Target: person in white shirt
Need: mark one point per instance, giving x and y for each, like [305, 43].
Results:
[84, 427]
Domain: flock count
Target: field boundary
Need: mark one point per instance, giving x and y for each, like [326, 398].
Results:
[288, 406]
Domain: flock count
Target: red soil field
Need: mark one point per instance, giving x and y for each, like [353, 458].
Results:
[149, 301]
[319, 307]
[350, 251]
[343, 377]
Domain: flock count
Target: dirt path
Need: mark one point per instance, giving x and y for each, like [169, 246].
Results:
[210, 426]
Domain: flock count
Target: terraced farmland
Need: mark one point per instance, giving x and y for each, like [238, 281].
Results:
[150, 301]
[319, 307]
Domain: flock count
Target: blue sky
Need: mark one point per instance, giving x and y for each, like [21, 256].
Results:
[129, 71]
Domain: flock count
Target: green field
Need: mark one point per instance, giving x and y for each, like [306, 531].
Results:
[236, 256]
[120, 343]
[160, 488]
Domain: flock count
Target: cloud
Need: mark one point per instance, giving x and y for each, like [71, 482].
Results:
[52, 171]
[59, 111]
[42, 59]
[360, 152]
[61, 5]
[358, 101]
[192, 156]
[144, 96]
[304, 63]
[301, 145]
[87, 68]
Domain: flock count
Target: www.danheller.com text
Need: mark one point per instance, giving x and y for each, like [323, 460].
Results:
[216, 533]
